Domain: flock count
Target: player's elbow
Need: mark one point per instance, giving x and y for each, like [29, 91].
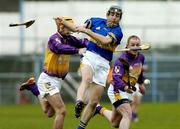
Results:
[106, 40]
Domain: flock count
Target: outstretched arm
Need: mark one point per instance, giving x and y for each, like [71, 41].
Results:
[103, 39]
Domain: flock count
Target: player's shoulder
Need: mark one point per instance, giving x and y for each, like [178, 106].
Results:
[53, 36]
[97, 19]
[117, 30]
[141, 56]
[121, 56]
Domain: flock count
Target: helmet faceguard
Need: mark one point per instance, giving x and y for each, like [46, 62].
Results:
[115, 9]
[68, 19]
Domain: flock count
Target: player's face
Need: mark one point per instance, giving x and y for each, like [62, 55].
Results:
[63, 30]
[113, 18]
[134, 42]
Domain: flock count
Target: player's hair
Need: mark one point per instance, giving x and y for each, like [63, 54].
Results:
[131, 37]
[116, 9]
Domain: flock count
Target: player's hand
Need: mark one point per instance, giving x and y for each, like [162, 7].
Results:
[59, 20]
[81, 51]
[128, 89]
[142, 89]
[81, 29]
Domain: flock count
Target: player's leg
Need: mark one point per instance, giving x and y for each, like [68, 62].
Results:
[59, 108]
[86, 72]
[31, 85]
[135, 105]
[46, 107]
[121, 103]
[49, 88]
[137, 96]
[126, 112]
[95, 94]
[111, 115]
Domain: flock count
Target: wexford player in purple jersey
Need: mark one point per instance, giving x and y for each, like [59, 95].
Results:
[127, 71]
[56, 65]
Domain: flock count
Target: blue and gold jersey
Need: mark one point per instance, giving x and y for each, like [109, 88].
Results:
[99, 26]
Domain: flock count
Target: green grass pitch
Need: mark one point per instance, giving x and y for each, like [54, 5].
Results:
[152, 116]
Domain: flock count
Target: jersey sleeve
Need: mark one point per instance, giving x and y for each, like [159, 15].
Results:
[116, 35]
[78, 43]
[56, 46]
[117, 75]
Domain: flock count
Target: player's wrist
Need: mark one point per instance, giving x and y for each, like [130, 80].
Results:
[87, 31]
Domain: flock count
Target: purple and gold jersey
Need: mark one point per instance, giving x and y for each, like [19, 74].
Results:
[129, 74]
[99, 26]
[58, 53]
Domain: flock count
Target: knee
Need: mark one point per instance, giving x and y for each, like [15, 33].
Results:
[87, 79]
[127, 115]
[50, 113]
[61, 111]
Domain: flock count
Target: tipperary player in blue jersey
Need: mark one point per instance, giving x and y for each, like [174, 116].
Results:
[105, 35]
[56, 66]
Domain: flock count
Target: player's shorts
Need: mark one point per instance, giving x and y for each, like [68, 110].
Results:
[118, 98]
[137, 92]
[99, 65]
[48, 85]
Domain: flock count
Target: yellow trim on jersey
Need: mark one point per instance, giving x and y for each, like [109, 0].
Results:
[113, 37]
[108, 46]
[117, 96]
[57, 64]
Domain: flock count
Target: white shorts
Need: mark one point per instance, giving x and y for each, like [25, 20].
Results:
[118, 96]
[48, 85]
[99, 65]
[137, 92]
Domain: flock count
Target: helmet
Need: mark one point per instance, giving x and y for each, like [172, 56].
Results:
[69, 19]
[115, 9]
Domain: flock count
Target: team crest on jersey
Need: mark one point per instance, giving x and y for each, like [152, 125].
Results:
[117, 69]
[98, 28]
[47, 85]
[57, 40]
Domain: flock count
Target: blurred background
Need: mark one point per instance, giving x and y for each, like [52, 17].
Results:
[22, 49]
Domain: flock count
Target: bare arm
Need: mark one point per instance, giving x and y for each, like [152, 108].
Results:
[103, 39]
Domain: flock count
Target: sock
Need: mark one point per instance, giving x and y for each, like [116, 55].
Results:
[34, 89]
[102, 110]
[81, 125]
